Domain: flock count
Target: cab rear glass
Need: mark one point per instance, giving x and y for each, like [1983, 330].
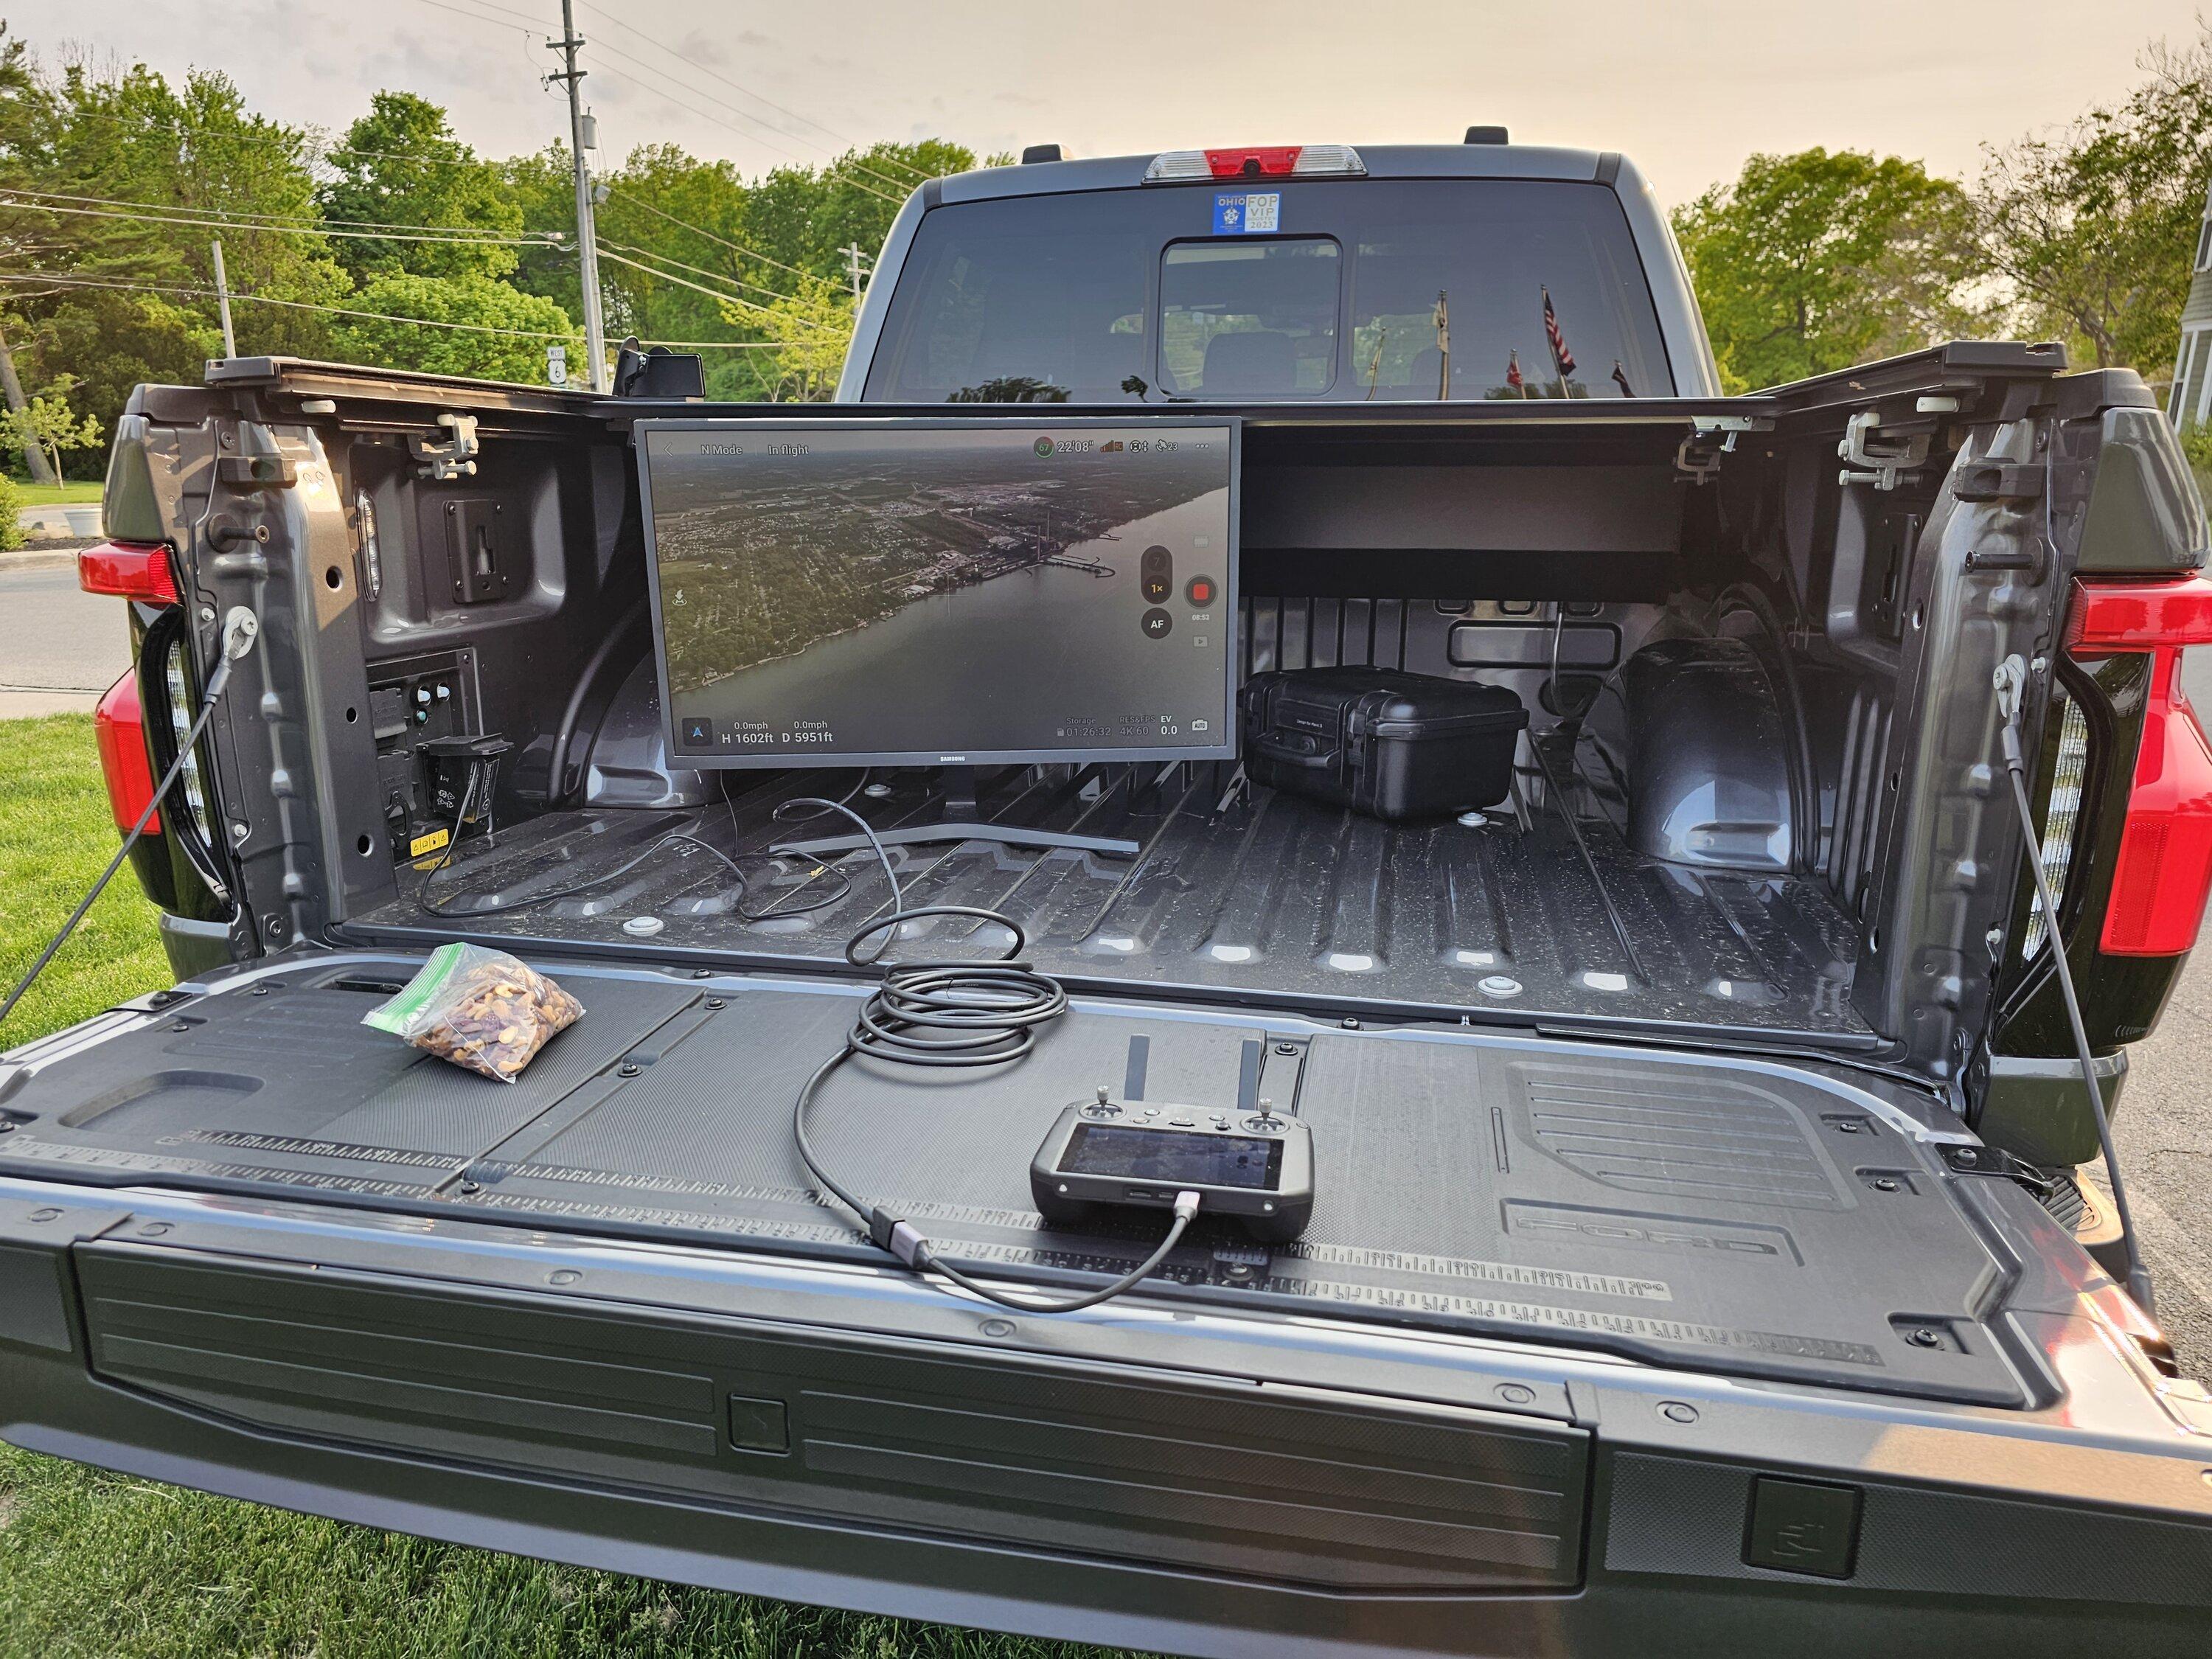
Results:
[1361, 290]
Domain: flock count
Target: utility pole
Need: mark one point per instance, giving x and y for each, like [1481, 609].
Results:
[222, 302]
[854, 256]
[587, 241]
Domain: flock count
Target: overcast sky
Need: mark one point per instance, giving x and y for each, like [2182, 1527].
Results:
[1686, 90]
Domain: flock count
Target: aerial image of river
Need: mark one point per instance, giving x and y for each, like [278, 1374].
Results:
[1044, 658]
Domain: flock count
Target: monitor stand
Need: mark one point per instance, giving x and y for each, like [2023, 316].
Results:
[962, 821]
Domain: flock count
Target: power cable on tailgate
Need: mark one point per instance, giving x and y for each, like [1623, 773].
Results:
[240, 630]
[2011, 682]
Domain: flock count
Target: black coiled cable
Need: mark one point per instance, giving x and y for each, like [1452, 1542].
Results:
[944, 1014]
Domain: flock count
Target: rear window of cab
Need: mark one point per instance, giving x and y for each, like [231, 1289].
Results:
[1363, 289]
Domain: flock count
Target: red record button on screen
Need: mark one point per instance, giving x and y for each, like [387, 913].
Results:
[1200, 591]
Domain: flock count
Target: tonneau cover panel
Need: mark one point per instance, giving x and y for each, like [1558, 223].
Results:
[1739, 1217]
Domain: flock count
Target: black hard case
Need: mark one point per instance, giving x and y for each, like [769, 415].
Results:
[1387, 743]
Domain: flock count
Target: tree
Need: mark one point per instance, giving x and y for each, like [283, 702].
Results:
[401, 165]
[1818, 260]
[528, 324]
[663, 209]
[121, 295]
[20, 109]
[116, 339]
[805, 217]
[11, 514]
[2096, 226]
[813, 328]
[48, 422]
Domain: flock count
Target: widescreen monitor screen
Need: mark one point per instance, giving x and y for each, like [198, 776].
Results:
[940, 593]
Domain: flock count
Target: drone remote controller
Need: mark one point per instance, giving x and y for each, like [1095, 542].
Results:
[1256, 1166]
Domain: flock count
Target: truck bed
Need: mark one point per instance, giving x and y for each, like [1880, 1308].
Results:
[1543, 915]
[1741, 1217]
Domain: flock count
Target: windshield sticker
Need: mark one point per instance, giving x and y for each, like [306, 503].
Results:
[1243, 214]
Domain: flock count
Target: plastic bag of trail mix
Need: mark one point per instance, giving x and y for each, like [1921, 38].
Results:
[478, 1008]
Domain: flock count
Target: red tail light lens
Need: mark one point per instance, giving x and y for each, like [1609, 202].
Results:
[2164, 872]
[1264, 161]
[128, 570]
[119, 726]
[1182, 167]
[2149, 615]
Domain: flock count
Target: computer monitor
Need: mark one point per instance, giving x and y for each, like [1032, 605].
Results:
[870, 591]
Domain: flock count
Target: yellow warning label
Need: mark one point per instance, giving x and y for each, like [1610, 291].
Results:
[428, 843]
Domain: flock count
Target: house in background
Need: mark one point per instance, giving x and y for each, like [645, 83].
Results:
[2192, 403]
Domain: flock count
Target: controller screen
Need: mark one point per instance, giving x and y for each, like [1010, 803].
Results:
[1173, 1159]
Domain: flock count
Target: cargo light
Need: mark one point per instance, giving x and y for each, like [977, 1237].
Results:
[2164, 872]
[2062, 815]
[128, 570]
[1182, 167]
[119, 727]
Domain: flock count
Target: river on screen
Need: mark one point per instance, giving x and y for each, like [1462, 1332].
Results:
[1039, 659]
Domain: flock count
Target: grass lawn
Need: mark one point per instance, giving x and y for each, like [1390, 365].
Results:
[97, 1565]
[38, 495]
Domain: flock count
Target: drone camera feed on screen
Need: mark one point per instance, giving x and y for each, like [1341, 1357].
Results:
[929, 593]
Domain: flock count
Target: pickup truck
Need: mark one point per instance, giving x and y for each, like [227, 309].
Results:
[1697, 1247]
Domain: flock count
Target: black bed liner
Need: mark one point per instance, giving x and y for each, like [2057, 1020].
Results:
[1236, 896]
[1735, 1216]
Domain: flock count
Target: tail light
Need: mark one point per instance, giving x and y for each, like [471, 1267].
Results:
[128, 570]
[1177, 166]
[118, 725]
[2164, 871]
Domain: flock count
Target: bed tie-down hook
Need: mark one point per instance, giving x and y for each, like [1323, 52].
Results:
[1698, 457]
[1880, 461]
[452, 457]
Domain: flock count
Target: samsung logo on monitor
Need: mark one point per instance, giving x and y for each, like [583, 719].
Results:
[952, 760]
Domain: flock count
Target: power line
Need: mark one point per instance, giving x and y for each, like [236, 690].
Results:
[246, 220]
[895, 184]
[662, 45]
[839, 164]
[311, 142]
[699, 270]
[695, 91]
[374, 316]
[640, 67]
[520, 20]
[471, 161]
[781, 109]
[290, 305]
[522, 17]
[325, 149]
[546, 240]
[724, 345]
[443, 5]
[699, 230]
[685, 281]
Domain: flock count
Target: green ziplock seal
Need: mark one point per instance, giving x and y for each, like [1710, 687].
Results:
[402, 1011]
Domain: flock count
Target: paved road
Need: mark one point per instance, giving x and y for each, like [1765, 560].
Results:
[2163, 1131]
[60, 647]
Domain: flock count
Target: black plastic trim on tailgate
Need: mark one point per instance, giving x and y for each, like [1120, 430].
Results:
[1301, 1485]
